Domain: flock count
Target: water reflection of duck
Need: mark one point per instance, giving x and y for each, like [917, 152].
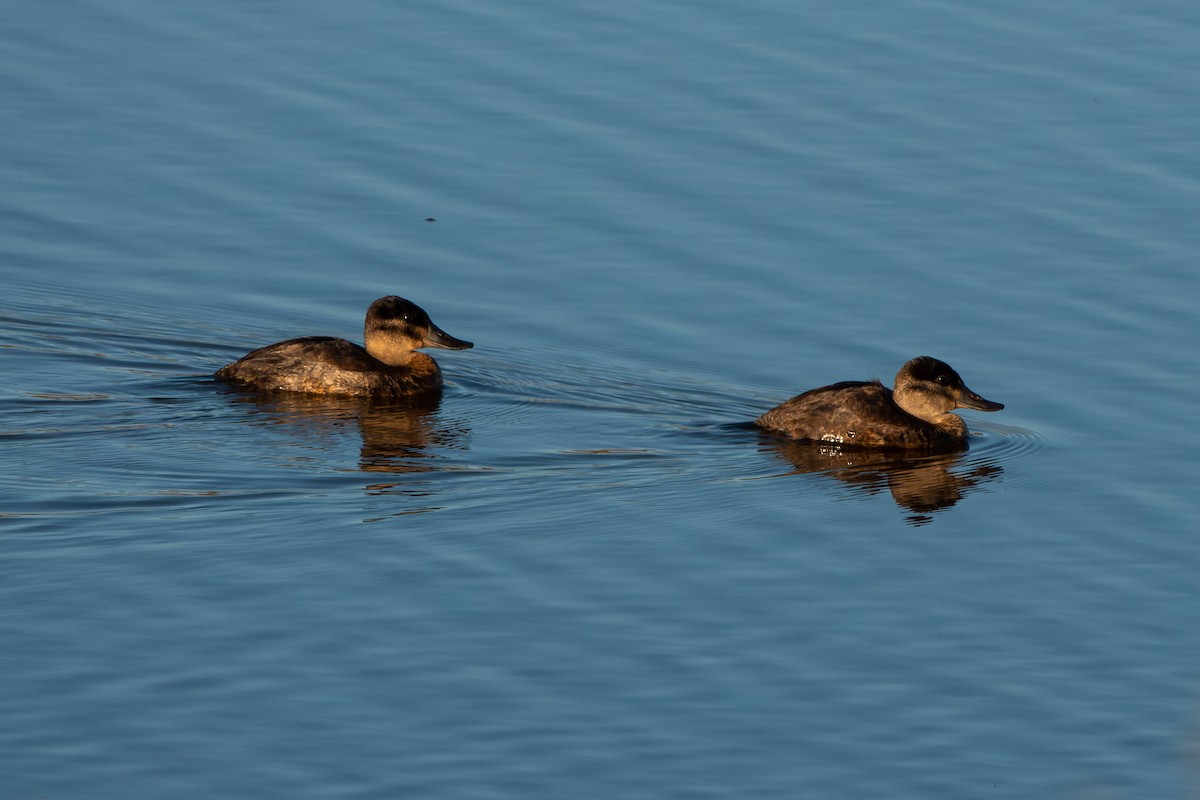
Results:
[387, 366]
[914, 416]
[920, 482]
[399, 435]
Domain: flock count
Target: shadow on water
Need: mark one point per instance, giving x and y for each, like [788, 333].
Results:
[923, 484]
[397, 436]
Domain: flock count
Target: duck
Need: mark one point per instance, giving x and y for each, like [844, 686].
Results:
[387, 365]
[916, 414]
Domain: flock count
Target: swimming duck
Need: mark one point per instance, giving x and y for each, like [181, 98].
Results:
[387, 366]
[914, 415]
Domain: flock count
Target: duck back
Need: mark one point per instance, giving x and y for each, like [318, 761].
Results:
[328, 365]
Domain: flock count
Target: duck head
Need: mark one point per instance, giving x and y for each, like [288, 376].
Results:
[931, 389]
[395, 327]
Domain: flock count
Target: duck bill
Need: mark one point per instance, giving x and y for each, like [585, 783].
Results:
[439, 338]
[971, 400]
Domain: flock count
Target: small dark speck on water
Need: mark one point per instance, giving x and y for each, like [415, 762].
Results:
[430, 219]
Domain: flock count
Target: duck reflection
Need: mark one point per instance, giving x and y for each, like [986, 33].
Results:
[398, 435]
[921, 483]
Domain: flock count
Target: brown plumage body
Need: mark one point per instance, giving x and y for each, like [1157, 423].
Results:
[388, 366]
[915, 416]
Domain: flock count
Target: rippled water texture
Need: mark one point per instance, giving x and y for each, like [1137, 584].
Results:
[581, 572]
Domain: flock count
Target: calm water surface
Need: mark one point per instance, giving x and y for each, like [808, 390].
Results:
[581, 574]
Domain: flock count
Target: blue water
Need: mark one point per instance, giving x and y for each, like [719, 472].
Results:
[581, 574]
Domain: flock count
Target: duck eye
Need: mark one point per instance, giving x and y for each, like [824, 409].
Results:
[943, 379]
